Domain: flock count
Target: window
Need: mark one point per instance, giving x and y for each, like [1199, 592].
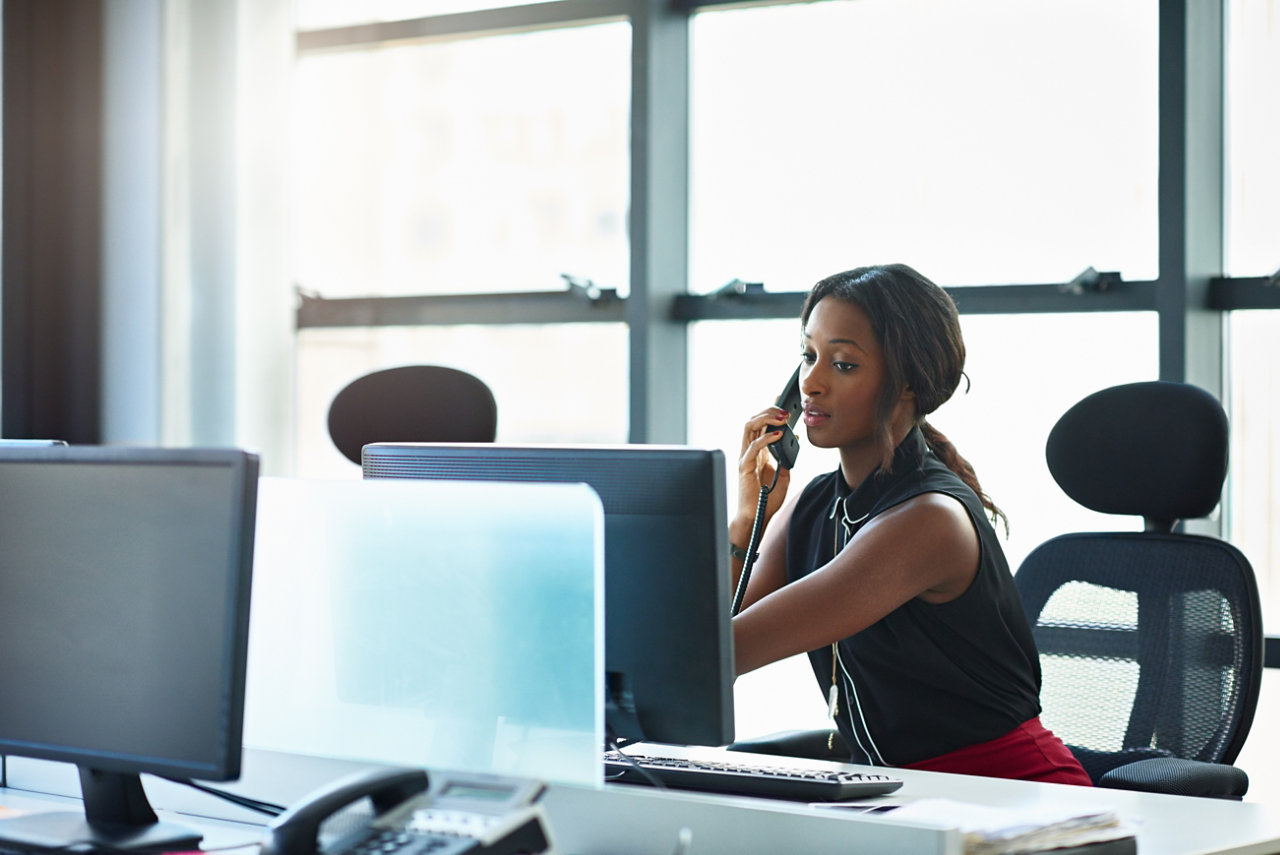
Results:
[980, 142]
[1253, 505]
[1252, 207]
[485, 165]
[1252, 211]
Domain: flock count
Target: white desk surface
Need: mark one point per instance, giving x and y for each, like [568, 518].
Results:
[627, 819]
[633, 820]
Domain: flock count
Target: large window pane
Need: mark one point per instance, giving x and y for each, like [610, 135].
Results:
[491, 164]
[1253, 126]
[1253, 504]
[1024, 373]
[1252, 508]
[564, 383]
[987, 141]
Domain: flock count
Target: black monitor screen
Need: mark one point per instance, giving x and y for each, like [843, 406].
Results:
[124, 605]
[668, 638]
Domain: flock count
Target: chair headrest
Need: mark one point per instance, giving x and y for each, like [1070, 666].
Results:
[412, 403]
[1154, 449]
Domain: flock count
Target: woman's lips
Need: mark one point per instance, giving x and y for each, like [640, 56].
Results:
[814, 417]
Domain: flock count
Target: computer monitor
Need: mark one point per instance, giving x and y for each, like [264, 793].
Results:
[668, 639]
[124, 621]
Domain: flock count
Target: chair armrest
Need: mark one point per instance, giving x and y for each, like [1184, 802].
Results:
[1176, 776]
[810, 744]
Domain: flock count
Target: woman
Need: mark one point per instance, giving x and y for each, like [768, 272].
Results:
[888, 571]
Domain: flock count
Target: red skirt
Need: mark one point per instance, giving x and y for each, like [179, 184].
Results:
[1029, 752]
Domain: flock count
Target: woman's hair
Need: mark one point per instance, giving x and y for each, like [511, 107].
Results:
[918, 329]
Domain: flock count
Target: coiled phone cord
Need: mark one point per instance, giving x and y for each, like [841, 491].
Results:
[750, 560]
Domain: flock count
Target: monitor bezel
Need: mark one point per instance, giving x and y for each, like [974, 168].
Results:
[226, 765]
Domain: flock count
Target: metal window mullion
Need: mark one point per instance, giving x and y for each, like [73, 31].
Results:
[659, 223]
[1190, 190]
[464, 24]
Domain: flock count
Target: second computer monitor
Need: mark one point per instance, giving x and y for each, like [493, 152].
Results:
[125, 579]
[668, 639]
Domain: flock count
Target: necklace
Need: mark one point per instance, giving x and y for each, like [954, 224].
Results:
[833, 694]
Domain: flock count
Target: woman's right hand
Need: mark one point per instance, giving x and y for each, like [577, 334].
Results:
[756, 468]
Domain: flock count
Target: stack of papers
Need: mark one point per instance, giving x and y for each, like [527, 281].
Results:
[1012, 831]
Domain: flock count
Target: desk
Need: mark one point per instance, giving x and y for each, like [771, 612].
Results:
[630, 820]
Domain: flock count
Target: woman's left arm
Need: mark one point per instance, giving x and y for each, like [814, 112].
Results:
[926, 547]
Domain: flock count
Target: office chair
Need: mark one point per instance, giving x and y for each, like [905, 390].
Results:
[1150, 642]
[412, 403]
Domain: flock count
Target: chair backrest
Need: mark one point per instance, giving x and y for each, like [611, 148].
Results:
[1150, 642]
[412, 403]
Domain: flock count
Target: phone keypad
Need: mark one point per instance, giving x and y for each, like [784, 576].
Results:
[410, 842]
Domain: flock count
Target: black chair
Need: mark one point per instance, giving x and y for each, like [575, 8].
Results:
[412, 403]
[1150, 642]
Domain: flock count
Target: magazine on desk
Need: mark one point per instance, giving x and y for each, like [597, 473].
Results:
[990, 830]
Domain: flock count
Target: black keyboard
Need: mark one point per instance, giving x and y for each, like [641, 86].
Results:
[798, 783]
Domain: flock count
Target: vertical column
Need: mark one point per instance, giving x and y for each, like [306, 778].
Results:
[228, 311]
[659, 221]
[51, 219]
[1191, 197]
[1191, 190]
[132, 164]
[200, 215]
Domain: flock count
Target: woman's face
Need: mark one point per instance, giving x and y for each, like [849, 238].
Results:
[842, 376]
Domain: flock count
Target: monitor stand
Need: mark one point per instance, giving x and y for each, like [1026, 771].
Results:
[116, 816]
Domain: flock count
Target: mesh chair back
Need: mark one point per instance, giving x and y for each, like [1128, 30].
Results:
[412, 403]
[1150, 642]
[1149, 645]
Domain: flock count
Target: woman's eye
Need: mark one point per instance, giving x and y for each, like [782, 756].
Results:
[844, 367]
[808, 358]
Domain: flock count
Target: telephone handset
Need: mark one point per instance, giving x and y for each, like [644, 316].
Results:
[446, 814]
[787, 446]
[784, 450]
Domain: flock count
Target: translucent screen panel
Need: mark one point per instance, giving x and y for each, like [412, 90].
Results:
[563, 383]
[1253, 125]
[982, 142]
[441, 624]
[489, 164]
[1024, 372]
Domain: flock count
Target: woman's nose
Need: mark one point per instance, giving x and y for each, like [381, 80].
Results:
[811, 381]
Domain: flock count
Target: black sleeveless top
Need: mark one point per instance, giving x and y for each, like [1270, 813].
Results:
[925, 679]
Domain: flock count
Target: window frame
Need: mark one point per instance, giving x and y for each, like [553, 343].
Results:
[1191, 294]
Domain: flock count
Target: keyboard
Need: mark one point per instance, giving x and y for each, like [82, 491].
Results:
[753, 778]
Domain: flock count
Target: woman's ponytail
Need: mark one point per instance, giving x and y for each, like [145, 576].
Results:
[946, 452]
